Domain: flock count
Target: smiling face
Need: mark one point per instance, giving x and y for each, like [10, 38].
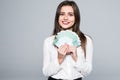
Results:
[66, 18]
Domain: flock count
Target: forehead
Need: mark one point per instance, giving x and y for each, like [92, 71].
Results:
[66, 9]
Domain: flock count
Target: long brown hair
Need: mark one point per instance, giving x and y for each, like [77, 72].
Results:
[76, 25]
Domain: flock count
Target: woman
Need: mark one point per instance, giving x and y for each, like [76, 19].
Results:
[67, 62]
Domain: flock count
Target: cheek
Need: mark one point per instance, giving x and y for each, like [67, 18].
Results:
[72, 19]
[59, 20]
[60, 23]
[60, 17]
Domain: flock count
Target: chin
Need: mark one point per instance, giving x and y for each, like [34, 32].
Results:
[66, 28]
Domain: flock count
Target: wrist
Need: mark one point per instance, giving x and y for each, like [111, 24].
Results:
[75, 57]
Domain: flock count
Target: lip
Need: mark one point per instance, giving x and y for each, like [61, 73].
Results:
[65, 22]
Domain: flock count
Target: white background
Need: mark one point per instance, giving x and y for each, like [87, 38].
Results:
[24, 24]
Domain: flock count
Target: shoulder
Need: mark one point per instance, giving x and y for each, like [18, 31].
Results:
[49, 39]
[88, 38]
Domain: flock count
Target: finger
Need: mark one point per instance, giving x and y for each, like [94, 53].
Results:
[62, 49]
[66, 49]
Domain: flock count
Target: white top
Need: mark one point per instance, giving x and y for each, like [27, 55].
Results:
[69, 69]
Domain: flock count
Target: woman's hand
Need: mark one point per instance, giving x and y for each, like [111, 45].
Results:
[67, 50]
[62, 51]
[73, 52]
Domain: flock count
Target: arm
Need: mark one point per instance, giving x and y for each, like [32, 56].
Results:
[84, 65]
[50, 67]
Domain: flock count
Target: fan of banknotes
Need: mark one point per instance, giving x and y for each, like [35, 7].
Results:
[67, 37]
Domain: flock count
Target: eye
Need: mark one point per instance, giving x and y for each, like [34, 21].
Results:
[61, 14]
[71, 14]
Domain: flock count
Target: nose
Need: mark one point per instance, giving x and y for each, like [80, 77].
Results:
[65, 17]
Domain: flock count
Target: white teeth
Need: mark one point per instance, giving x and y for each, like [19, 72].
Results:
[64, 22]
